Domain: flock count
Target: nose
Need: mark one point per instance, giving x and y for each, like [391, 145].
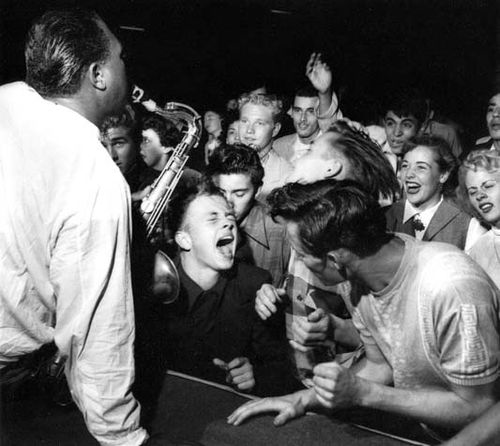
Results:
[112, 152]
[481, 195]
[250, 129]
[229, 224]
[397, 130]
[496, 111]
[302, 116]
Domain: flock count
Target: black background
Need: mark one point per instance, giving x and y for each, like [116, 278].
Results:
[204, 52]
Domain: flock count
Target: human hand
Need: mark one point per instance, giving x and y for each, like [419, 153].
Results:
[319, 73]
[140, 194]
[335, 386]
[288, 407]
[239, 372]
[267, 300]
[312, 331]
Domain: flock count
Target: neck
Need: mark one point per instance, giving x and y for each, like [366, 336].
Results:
[160, 165]
[81, 105]
[496, 143]
[429, 203]
[202, 275]
[308, 139]
[265, 151]
[377, 271]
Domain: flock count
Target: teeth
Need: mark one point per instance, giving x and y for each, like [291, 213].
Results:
[485, 207]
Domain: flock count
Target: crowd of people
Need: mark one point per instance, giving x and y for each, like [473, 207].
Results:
[344, 264]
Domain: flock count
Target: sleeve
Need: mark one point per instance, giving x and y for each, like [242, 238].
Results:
[272, 370]
[361, 326]
[474, 232]
[90, 272]
[326, 119]
[460, 326]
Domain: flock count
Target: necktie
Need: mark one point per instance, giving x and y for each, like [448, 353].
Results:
[416, 223]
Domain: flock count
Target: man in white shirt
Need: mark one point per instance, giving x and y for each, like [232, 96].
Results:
[65, 221]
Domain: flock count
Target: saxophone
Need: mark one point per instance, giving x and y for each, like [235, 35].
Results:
[166, 283]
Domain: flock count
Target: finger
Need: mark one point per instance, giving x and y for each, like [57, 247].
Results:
[299, 347]
[246, 385]
[325, 401]
[265, 312]
[285, 415]
[221, 364]
[328, 370]
[237, 362]
[250, 409]
[316, 315]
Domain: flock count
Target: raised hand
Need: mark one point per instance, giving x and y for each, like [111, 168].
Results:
[319, 73]
[239, 372]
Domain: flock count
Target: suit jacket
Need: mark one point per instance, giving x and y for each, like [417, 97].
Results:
[284, 146]
[449, 224]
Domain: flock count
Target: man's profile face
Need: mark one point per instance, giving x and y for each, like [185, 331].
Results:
[256, 126]
[152, 150]
[115, 74]
[211, 226]
[493, 117]
[321, 268]
[121, 147]
[304, 116]
[399, 129]
[239, 192]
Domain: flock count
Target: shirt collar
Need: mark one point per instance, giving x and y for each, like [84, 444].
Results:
[425, 216]
[254, 224]
[194, 291]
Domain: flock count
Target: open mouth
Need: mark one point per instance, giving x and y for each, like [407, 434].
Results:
[485, 207]
[412, 188]
[225, 246]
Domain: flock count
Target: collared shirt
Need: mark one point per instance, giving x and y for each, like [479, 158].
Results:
[267, 242]
[222, 323]
[64, 262]
[424, 216]
[474, 231]
[276, 171]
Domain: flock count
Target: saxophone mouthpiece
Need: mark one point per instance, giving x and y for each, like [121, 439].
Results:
[139, 96]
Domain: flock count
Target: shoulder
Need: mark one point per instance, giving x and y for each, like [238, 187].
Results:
[250, 275]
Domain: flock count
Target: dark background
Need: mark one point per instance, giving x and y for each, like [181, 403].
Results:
[202, 52]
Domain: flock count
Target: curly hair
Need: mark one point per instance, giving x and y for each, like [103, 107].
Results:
[488, 160]
[166, 130]
[268, 100]
[228, 159]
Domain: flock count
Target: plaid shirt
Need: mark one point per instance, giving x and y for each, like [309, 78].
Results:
[264, 242]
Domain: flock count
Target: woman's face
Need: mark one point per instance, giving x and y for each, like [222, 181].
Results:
[233, 135]
[483, 189]
[212, 123]
[422, 178]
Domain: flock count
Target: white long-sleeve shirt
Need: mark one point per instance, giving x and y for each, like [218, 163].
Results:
[64, 257]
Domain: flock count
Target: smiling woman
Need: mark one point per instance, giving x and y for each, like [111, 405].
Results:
[426, 169]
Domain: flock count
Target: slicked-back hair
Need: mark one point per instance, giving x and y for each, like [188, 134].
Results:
[406, 103]
[183, 196]
[60, 46]
[370, 166]
[236, 159]
[166, 130]
[332, 214]
[488, 160]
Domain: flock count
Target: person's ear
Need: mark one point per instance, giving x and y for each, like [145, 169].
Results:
[96, 76]
[332, 259]
[183, 239]
[276, 129]
[443, 177]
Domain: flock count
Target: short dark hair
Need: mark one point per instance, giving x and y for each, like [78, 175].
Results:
[306, 91]
[60, 46]
[332, 214]
[407, 102]
[370, 166]
[166, 130]
[126, 120]
[183, 196]
[231, 159]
